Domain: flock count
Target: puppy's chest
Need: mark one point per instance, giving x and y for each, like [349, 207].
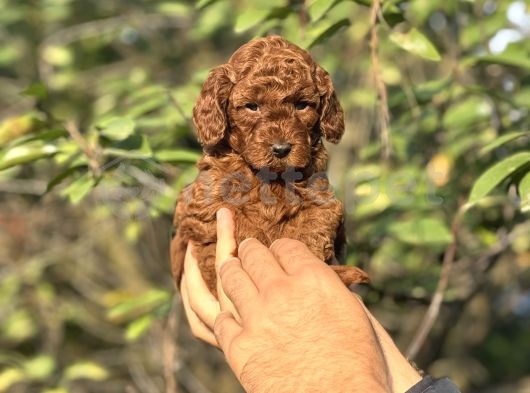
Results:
[268, 212]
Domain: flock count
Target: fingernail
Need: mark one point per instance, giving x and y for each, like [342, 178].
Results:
[222, 213]
[244, 242]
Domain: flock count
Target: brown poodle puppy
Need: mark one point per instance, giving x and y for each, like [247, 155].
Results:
[260, 119]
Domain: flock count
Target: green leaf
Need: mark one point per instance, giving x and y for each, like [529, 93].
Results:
[524, 192]
[134, 147]
[318, 8]
[416, 43]
[23, 154]
[138, 327]
[177, 155]
[37, 90]
[44, 135]
[204, 3]
[19, 326]
[117, 128]
[58, 55]
[148, 105]
[39, 367]
[55, 390]
[61, 176]
[496, 174]
[174, 8]
[79, 188]
[323, 31]
[510, 58]
[85, 370]
[466, 113]
[250, 18]
[421, 231]
[139, 305]
[9, 377]
[363, 2]
[503, 139]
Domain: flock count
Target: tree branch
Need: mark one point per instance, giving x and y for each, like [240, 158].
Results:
[434, 308]
[383, 115]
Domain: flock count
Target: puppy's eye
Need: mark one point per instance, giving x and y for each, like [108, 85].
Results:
[252, 106]
[301, 105]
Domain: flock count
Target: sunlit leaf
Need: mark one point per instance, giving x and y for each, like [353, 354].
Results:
[318, 8]
[138, 327]
[118, 128]
[15, 127]
[364, 2]
[510, 58]
[44, 136]
[26, 153]
[148, 105]
[203, 3]
[415, 42]
[503, 139]
[524, 192]
[39, 367]
[323, 31]
[250, 18]
[133, 230]
[137, 306]
[55, 390]
[496, 174]
[79, 188]
[85, 370]
[466, 112]
[177, 155]
[18, 326]
[421, 231]
[174, 8]
[9, 377]
[57, 55]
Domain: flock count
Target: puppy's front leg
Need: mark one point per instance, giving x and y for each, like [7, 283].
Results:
[321, 229]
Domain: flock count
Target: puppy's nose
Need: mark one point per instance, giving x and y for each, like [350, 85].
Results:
[280, 150]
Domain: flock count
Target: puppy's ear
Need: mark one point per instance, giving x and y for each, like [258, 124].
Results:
[209, 113]
[331, 114]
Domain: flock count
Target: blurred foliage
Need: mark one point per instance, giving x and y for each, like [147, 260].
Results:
[96, 142]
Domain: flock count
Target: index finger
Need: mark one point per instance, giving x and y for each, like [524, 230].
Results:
[225, 249]
[226, 242]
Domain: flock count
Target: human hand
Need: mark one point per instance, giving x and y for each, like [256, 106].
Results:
[200, 306]
[299, 329]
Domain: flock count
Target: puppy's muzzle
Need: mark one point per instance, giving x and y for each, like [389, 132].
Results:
[281, 150]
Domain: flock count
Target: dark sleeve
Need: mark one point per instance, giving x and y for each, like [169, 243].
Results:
[430, 385]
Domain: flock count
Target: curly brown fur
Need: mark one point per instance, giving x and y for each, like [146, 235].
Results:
[260, 118]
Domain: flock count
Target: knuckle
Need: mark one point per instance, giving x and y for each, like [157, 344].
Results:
[219, 324]
[228, 267]
[286, 245]
[248, 245]
[231, 280]
[254, 258]
[308, 270]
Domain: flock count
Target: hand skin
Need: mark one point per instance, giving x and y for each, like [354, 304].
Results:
[286, 323]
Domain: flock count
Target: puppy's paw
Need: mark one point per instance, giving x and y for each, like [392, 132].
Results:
[350, 274]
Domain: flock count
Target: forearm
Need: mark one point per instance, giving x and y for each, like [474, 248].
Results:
[331, 379]
[312, 369]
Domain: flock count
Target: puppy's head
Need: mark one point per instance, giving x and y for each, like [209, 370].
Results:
[272, 104]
